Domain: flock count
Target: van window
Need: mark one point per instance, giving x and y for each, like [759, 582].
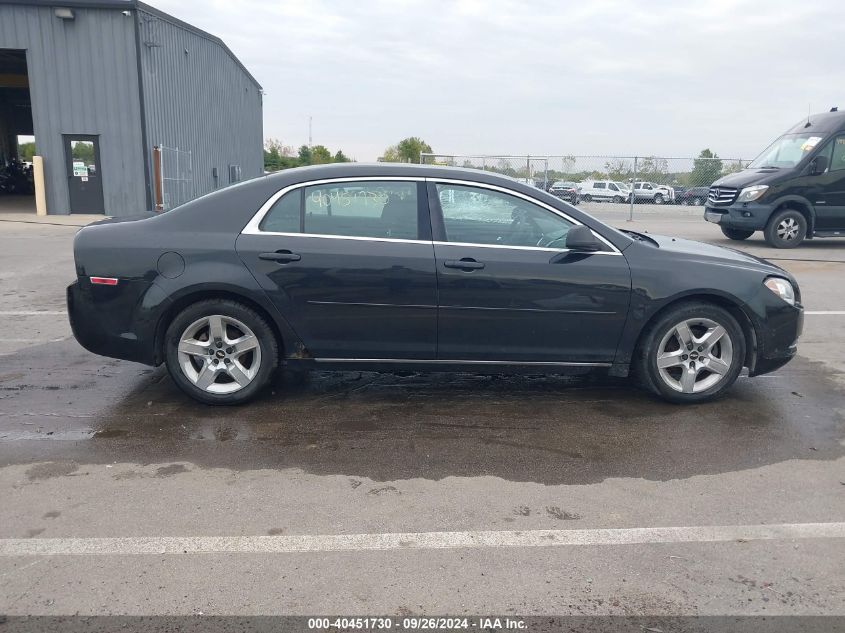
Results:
[837, 163]
[599, 185]
[613, 187]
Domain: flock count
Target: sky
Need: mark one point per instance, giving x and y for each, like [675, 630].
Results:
[593, 77]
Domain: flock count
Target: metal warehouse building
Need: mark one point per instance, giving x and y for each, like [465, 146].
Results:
[131, 109]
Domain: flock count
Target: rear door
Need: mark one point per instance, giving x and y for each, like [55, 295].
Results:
[508, 289]
[350, 265]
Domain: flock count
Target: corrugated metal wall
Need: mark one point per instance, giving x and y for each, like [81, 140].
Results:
[198, 98]
[83, 80]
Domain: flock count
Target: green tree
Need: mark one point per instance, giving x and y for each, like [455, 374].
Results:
[653, 169]
[340, 157]
[26, 151]
[706, 169]
[619, 169]
[407, 150]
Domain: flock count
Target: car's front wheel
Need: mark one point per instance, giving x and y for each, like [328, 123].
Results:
[786, 229]
[617, 199]
[736, 234]
[220, 351]
[694, 352]
[658, 199]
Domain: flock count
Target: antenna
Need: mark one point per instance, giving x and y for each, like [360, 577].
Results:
[809, 109]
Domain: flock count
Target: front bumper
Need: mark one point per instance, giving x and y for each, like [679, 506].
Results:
[744, 215]
[777, 343]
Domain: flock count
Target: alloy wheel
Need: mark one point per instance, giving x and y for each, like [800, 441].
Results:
[219, 354]
[695, 355]
[788, 229]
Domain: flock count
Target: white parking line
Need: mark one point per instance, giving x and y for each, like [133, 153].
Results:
[412, 540]
[33, 312]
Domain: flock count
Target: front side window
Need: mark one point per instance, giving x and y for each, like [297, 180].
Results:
[837, 163]
[474, 215]
[613, 187]
[383, 209]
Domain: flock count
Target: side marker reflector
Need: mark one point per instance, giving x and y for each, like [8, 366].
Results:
[104, 281]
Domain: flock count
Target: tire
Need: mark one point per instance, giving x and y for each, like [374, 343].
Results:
[692, 379]
[587, 197]
[685, 202]
[617, 199]
[736, 234]
[228, 375]
[786, 229]
[697, 201]
[658, 198]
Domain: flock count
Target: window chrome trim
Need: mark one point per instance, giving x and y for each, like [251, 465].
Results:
[427, 361]
[534, 201]
[252, 226]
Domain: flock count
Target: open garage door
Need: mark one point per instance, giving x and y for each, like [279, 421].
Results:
[17, 144]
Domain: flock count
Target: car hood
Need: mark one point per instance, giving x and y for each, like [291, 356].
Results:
[748, 177]
[708, 253]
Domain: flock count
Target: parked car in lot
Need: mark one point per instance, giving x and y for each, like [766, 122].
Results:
[695, 196]
[566, 191]
[385, 267]
[604, 190]
[653, 193]
[794, 190]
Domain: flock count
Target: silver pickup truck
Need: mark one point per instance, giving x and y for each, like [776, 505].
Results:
[654, 193]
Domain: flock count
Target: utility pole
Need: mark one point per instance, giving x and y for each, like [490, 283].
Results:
[310, 118]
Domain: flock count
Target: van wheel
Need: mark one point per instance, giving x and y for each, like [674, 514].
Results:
[693, 353]
[617, 199]
[736, 234]
[220, 352]
[786, 229]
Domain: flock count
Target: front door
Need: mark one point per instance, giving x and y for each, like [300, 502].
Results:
[84, 174]
[829, 189]
[350, 265]
[510, 291]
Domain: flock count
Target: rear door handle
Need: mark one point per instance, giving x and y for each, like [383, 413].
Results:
[282, 257]
[466, 263]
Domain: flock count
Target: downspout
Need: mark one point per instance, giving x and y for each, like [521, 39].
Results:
[145, 144]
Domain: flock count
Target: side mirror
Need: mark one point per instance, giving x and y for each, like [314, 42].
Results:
[818, 165]
[580, 238]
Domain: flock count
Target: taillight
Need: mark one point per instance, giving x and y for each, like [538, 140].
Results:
[104, 281]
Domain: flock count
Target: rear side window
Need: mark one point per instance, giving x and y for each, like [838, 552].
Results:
[599, 185]
[351, 209]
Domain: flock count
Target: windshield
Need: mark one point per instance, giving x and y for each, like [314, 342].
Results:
[787, 151]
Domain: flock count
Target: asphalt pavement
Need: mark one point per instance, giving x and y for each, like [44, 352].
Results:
[358, 493]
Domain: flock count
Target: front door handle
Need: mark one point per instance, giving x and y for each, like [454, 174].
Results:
[282, 257]
[466, 263]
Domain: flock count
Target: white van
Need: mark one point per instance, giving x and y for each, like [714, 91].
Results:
[604, 190]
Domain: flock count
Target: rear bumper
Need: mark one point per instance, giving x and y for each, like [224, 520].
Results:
[747, 215]
[115, 321]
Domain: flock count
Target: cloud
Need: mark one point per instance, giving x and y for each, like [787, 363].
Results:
[499, 76]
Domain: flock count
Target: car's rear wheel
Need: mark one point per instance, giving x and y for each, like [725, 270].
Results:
[617, 199]
[786, 229]
[685, 202]
[658, 199]
[698, 201]
[694, 352]
[736, 234]
[220, 352]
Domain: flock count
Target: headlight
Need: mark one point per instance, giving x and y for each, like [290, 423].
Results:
[752, 193]
[782, 288]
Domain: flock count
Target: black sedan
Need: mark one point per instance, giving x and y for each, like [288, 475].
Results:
[567, 191]
[386, 267]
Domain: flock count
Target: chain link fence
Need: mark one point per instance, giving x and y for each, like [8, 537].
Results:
[174, 177]
[654, 180]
